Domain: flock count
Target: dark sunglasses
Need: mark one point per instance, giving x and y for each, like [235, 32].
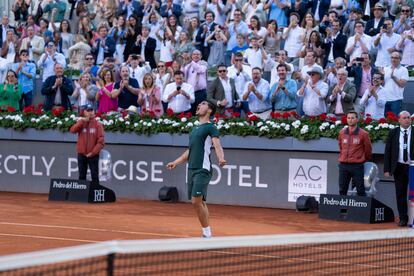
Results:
[405, 10]
[89, 58]
[222, 71]
[238, 60]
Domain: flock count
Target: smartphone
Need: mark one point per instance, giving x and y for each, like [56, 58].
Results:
[360, 59]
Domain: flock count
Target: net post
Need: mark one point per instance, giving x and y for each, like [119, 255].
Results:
[110, 264]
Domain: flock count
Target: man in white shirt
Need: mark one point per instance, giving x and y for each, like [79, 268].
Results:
[48, 60]
[395, 77]
[386, 42]
[255, 55]
[310, 62]
[374, 99]
[359, 43]
[314, 92]
[280, 58]
[137, 68]
[256, 93]
[242, 74]
[179, 95]
[293, 35]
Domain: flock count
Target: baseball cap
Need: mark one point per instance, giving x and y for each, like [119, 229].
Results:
[50, 44]
[87, 107]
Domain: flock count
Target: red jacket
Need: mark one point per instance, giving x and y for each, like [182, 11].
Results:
[90, 138]
[354, 147]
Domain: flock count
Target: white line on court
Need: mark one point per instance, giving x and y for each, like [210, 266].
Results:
[46, 237]
[93, 229]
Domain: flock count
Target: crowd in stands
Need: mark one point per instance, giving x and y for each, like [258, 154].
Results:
[246, 56]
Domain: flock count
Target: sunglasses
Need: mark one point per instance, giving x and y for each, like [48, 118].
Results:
[395, 57]
[238, 60]
[161, 66]
[405, 10]
[89, 58]
[222, 71]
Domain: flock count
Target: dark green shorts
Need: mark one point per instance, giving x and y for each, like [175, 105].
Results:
[198, 180]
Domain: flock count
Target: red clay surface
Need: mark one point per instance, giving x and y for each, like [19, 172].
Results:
[29, 222]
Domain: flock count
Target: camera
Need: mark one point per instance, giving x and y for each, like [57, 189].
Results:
[178, 88]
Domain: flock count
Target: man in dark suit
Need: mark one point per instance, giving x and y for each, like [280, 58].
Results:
[145, 46]
[4, 28]
[57, 89]
[104, 46]
[203, 32]
[334, 43]
[374, 25]
[399, 150]
[222, 92]
[341, 95]
[323, 7]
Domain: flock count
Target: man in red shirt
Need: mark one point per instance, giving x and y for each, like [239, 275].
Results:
[90, 143]
[354, 150]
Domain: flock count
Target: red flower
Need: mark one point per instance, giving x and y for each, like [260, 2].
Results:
[285, 115]
[57, 111]
[368, 120]
[293, 113]
[322, 117]
[343, 120]
[157, 110]
[332, 119]
[170, 112]
[11, 109]
[235, 114]
[28, 109]
[253, 118]
[224, 116]
[181, 115]
[275, 115]
[98, 114]
[382, 121]
[188, 115]
[151, 113]
[368, 115]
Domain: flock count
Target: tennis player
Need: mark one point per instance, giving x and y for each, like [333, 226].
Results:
[202, 138]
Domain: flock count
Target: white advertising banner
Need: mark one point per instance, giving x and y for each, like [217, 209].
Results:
[307, 177]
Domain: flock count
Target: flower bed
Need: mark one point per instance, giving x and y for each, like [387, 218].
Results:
[279, 126]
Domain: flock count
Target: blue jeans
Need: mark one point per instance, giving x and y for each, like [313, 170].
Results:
[394, 107]
[27, 98]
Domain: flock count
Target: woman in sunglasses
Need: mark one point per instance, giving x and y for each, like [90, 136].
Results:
[10, 91]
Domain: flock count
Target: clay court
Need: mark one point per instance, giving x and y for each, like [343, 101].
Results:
[30, 222]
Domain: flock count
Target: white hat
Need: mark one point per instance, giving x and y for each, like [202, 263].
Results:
[132, 109]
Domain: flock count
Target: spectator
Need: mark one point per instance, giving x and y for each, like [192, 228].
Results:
[397, 6]
[55, 10]
[385, 41]
[196, 74]
[132, 32]
[256, 93]
[10, 91]
[118, 34]
[341, 95]
[374, 99]
[192, 29]
[396, 77]
[77, 53]
[374, 25]
[10, 49]
[349, 27]
[273, 38]
[104, 45]
[192, 9]
[309, 25]
[319, 8]
[30, 23]
[217, 47]
[4, 28]
[49, 59]
[149, 97]
[310, 63]
[359, 43]
[334, 44]
[67, 38]
[126, 90]
[138, 68]
[242, 74]
[222, 92]
[170, 9]
[293, 36]
[44, 31]
[184, 45]
[86, 28]
[253, 7]
[402, 23]
[314, 92]
[162, 79]
[217, 7]
[146, 46]
[179, 95]
[85, 92]
[277, 11]
[327, 21]
[129, 8]
[241, 46]
[280, 58]
[256, 30]
[256, 55]
[235, 29]
[283, 92]
[331, 79]
[57, 88]
[204, 31]
[106, 94]
[314, 44]
[20, 10]
[406, 45]
[90, 67]
[26, 73]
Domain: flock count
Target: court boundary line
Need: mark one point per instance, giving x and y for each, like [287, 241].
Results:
[46, 237]
[92, 229]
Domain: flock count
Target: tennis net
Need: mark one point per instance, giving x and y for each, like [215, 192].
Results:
[385, 252]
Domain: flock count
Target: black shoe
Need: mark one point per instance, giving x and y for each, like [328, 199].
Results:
[402, 223]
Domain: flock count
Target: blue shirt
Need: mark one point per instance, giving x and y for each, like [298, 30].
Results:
[242, 28]
[283, 101]
[278, 14]
[239, 49]
[24, 81]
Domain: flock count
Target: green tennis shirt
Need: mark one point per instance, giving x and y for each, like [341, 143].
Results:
[200, 144]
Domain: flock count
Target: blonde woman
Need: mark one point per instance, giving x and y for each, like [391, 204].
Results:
[85, 91]
[149, 97]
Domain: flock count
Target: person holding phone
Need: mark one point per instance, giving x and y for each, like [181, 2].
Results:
[385, 42]
[179, 95]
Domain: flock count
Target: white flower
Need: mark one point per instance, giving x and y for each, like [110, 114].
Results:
[73, 116]
[391, 126]
[121, 119]
[136, 124]
[66, 119]
[33, 120]
[338, 122]
[190, 124]
[111, 122]
[268, 122]
[59, 122]
[196, 123]
[145, 123]
[377, 128]
[321, 128]
[183, 119]
[175, 124]
[149, 124]
[259, 124]
[296, 124]
[304, 129]
[127, 123]
[332, 126]
[287, 127]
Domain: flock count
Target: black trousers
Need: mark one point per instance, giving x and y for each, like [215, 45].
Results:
[354, 171]
[401, 187]
[93, 163]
